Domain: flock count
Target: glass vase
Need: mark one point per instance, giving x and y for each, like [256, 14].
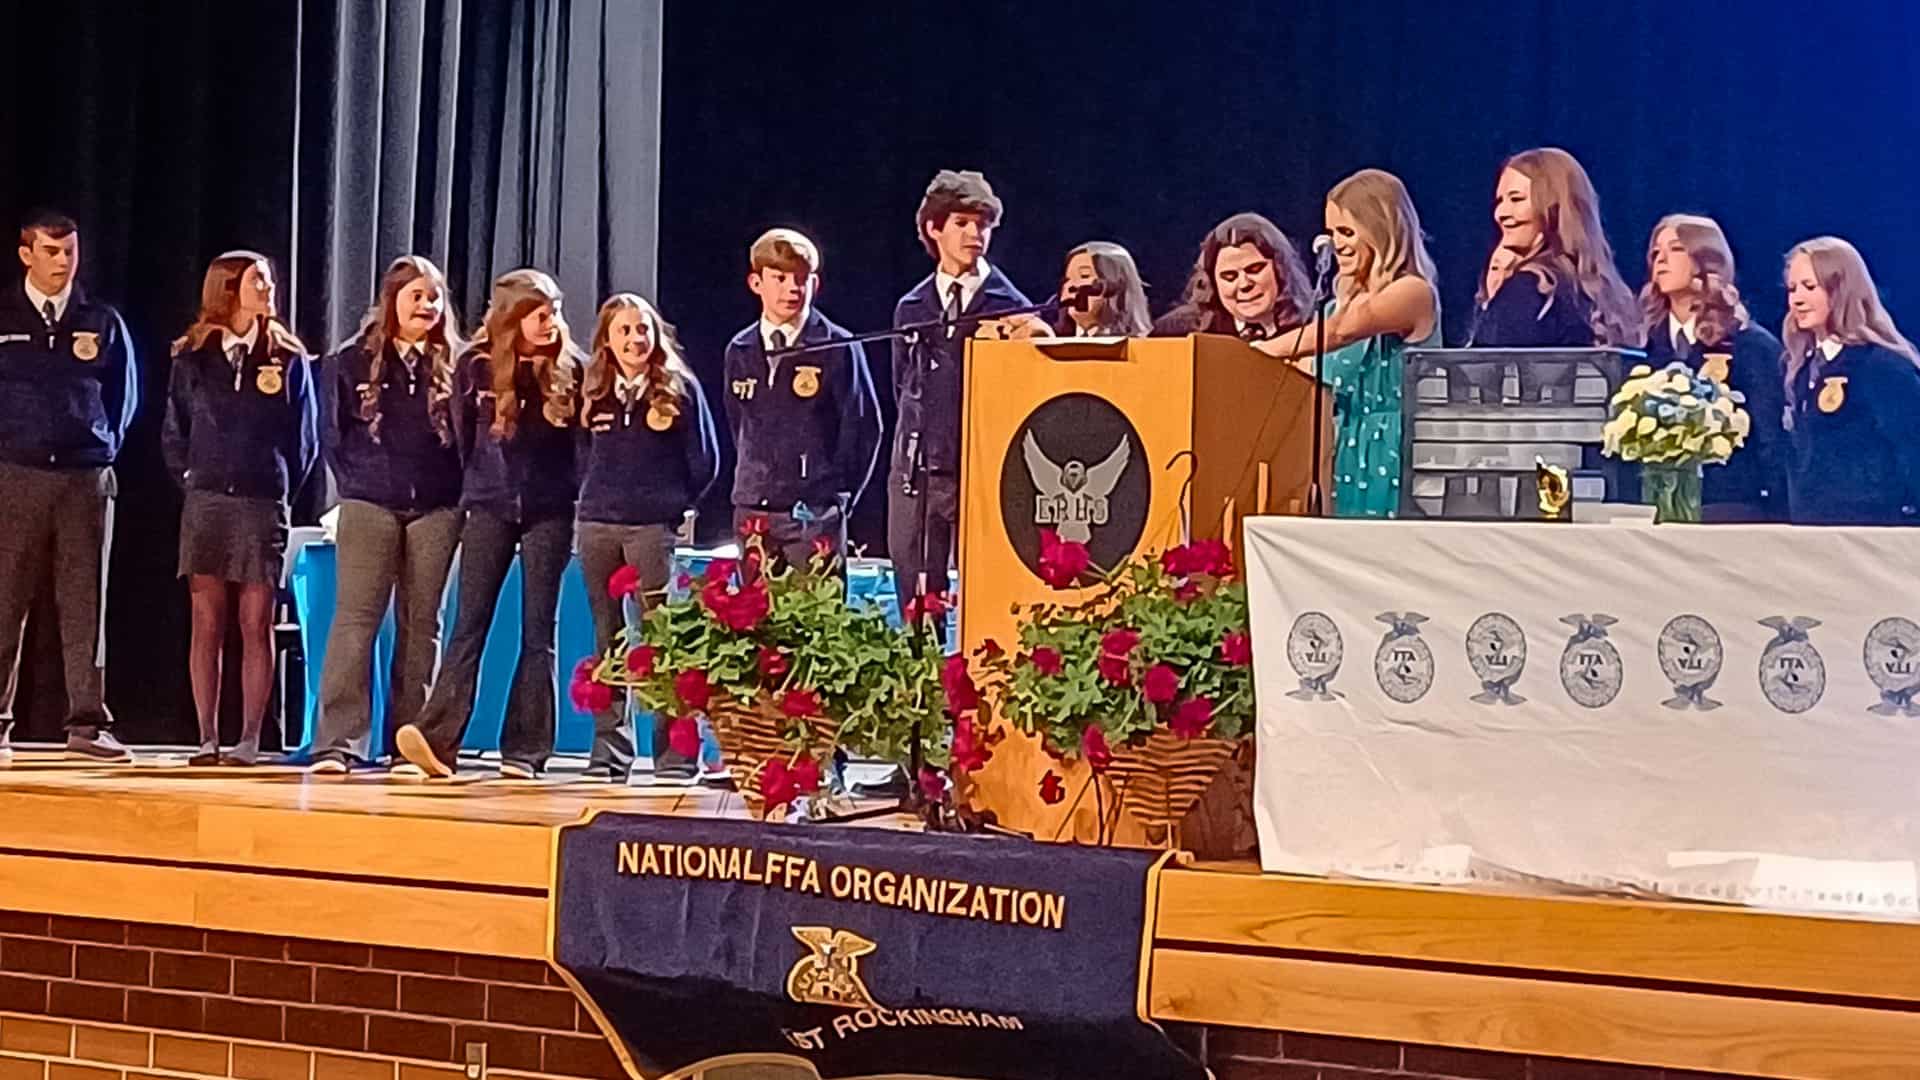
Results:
[1674, 491]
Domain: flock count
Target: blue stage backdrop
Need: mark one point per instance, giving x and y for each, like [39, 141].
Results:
[863, 952]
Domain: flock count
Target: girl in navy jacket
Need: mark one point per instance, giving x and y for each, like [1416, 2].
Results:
[514, 409]
[1853, 395]
[240, 438]
[648, 454]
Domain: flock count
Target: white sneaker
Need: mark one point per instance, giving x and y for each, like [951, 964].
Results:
[518, 770]
[92, 744]
[412, 744]
[327, 766]
[406, 770]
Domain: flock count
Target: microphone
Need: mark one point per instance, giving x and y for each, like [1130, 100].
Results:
[1081, 297]
[1322, 254]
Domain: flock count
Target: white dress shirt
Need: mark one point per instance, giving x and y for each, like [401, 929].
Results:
[970, 283]
[39, 300]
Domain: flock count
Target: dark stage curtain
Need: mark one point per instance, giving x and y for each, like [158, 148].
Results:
[485, 135]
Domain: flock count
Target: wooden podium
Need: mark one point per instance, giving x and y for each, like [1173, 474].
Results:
[1127, 445]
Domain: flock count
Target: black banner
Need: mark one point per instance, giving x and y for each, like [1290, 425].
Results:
[859, 951]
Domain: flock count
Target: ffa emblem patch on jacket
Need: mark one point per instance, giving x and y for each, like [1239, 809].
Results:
[659, 419]
[1716, 366]
[806, 381]
[86, 346]
[1833, 393]
[269, 379]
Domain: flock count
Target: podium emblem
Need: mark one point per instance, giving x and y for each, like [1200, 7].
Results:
[1077, 466]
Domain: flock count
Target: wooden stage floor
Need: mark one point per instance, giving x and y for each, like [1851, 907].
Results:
[466, 865]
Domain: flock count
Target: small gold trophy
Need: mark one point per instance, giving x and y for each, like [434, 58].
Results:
[1555, 489]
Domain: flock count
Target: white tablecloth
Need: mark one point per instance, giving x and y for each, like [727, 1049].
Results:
[1717, 712]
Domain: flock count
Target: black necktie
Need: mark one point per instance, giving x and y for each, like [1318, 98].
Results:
[47, 313]
[954, 306]
[1253, 331]
[777, 340]
[1682, 348]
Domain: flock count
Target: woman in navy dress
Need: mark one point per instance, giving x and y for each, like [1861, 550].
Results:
[1853, 395]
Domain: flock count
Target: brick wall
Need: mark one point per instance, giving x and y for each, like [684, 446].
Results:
[1246, 1054]
[307, 1009]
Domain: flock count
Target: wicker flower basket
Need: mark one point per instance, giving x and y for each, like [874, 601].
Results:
[750, 733]
[1160, 780]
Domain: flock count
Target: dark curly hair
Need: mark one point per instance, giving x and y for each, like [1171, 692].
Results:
[1200, 310]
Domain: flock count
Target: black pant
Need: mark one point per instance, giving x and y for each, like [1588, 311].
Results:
[487, 545]
[59, 522]
[920, 531]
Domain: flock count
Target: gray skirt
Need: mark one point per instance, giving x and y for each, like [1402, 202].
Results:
[233, 538]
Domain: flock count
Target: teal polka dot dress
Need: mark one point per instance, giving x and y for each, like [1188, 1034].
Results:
[1365, 379]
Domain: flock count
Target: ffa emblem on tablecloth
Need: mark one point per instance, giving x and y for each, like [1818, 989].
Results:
[659, 419]
[1315, 650]
[1892, 656]
[1690, 657]
[86, 346]
[1497, 652]
[806, 381]
[1833, 393]
[1403, 664]
[830, 973]
[1590, 667]
[1792, 675]
[269, 379]
[1715, 366]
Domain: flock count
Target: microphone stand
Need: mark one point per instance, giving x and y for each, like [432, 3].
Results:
[1322, 290]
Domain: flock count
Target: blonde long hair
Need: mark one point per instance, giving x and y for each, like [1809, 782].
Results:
[444, 344]
[1572, 237]
[1855, 314]
[1707, 246]
[1379, 204]
[220, 298]
[516, 294]
[669, 379]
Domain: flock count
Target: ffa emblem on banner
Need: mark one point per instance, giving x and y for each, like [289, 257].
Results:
[1892, 656]
[86, 346]
[1076, 466]
[1403, 664]
[830, 973]
[1792, 674]
[806, 381]
[1497, 652]
[659, 419]
[269, 379]
[1833, 393]
[1590, 667]
[1690, 657]
[1716, 366]
[1315, 650]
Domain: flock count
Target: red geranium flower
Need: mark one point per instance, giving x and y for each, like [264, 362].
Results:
[776, 783]
[623, 582]
[739, 610]
[753, 525]
[1192, 719]
[684, 736]
[774, 664]
[1160, 684]
[933, 786]
[1186, 592]
[684, 581]
[583, 671]
[969, 750]
[693, 689]
[800, 703]
[962, 695]
[1216, 557]
[1052, 788]
[805, 775]
[590, 697]
[719, 571]
[1237, 649]
[1093, 748]
[640, 661]
[1119, 642]
[1045, 660]
[1117, 670]
[1062, 561]
[823, 548]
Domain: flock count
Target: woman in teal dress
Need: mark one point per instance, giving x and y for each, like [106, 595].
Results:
[1384, 301]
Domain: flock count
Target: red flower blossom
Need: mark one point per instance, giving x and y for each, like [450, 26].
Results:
[583, 671]
[933, 786]
[1119, 643]
[739, 610]
[774, 664]
[623, 582]
[805, 775]
[753, 525]
[800, 703]
[823, 549]
[962, 695]
[932, 606]
[969, 751]
[640, 661]
[693, 689]
[719, 571]
[1192, 719]
[1093, 748]
[683, 735]
[1052, 788]
[1186, 592]
[1160, 684]
[776, 783]
[1062, 561]
[1216, 558]
[684, 582]
[1045, 660]
[591, 697]
[1237, 649]
[1117, 670]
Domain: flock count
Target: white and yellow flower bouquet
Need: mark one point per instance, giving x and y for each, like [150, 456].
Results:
[1673, 421]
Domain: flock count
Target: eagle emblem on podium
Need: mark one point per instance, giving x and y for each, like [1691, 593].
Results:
[1072, 498]
[830, 972]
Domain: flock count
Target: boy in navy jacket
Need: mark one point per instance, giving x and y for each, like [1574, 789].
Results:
[955, 223]
[68, 390]
[805, 426]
